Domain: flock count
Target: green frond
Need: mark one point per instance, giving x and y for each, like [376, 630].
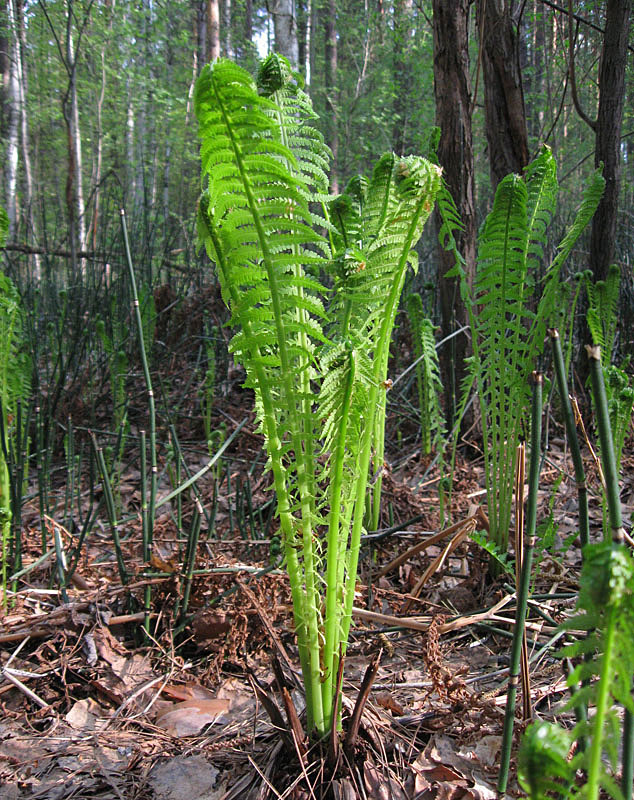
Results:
[550, 301]
[4, 226]
[427, 373]
[602, 317]
[15, 364]
[542, 189]
[293, 110]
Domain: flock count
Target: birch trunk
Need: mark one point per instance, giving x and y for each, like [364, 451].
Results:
[285, 26]
[213, 30]
[13, 104]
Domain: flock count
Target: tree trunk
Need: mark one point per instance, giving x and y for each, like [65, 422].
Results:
[608, 133]
[5, 69]
[227, 23]
[503, 95]
[455, 153]
[285, 26]
[310, 42]
[248, 21]
[21, 64]
[303, 21]
[201, 32]
[74, 179]
[213, 30]
[331, 92]
[401, 74]
[13, 103]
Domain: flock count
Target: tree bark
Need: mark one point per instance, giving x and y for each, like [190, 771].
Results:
[608, 133]
[5, 68]
[227, 24]
[331, 92]
[13, 104]
[455, 153]
[504, 110]
[285, 27]
[213, 30]
[201, 32]
[21, 65]
[248, 21]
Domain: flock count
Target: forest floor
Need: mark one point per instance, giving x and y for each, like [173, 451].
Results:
[92, 709]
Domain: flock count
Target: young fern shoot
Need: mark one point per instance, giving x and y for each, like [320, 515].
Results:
[316, 360]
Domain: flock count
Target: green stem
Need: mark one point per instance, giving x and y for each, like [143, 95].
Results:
[146, 375]
[603, 698]
[304, 480]
[608, 457]
[333, 585]
[312, 683]
[573, 439]
[523, 589]
[387, 324]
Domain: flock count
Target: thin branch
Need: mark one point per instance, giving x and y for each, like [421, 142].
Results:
[571, 69]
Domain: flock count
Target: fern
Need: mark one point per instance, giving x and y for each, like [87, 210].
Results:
[315, 359]
[602, 677]
[603, 307]
[4, 226]
[15, 382]
[507, 335]
[427, 374]
[605, 611]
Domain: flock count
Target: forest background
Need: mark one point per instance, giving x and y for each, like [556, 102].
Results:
[96, 114]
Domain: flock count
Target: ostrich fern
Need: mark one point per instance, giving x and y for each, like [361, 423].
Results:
[427, 374]
[507, 335]
[15, 377]
[316, 359]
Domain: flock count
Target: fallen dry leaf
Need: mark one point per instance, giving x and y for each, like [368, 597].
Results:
[210, 624]
[86, 715]
[191, 716]
[443, 772]
[184, 778]
[380, 786]
[187, 691]
[386, 700]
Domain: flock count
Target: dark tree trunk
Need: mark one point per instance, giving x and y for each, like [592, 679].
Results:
[331, 91]
[455, 152]
[248, 20]
[503, 95]
[303, 12]
[608, 133]
[201, 32]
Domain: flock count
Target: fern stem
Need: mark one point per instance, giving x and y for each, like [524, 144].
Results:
[524, 584]
[608, 457]
[303, 478]
[387, 323]
[573, 439]
[603, 698]
[300, 600]
[148, 379]
[335, 533]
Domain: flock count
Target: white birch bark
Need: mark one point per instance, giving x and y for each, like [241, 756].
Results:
[285, 25]
[11, 169]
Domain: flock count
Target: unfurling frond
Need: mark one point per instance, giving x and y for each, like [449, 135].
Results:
[427, 373]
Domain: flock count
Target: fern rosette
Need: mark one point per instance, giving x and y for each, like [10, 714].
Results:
[315, 359]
